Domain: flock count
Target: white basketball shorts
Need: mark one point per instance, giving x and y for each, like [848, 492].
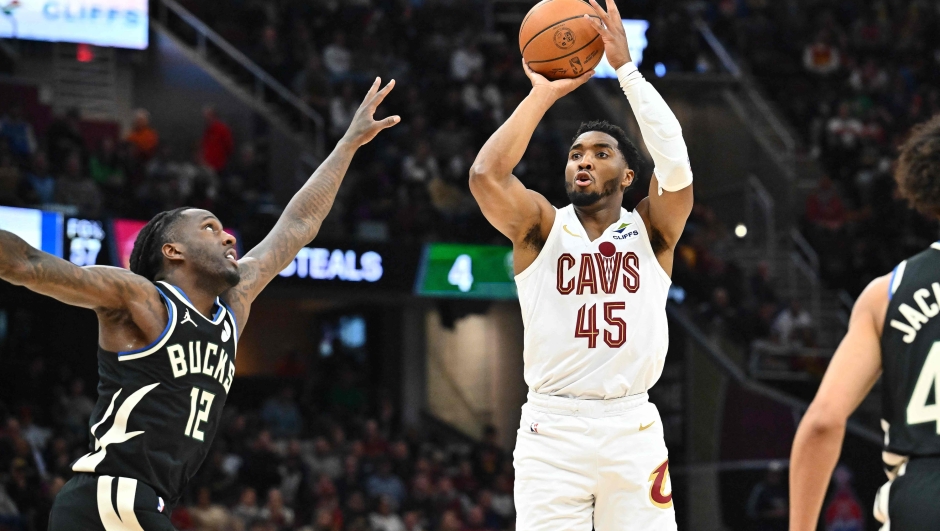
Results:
[592, 463]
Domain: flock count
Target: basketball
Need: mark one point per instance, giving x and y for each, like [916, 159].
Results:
[557, 42]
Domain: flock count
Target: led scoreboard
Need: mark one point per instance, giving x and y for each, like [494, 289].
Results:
[466, 271]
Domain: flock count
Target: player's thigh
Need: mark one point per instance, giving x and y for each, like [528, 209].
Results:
[635, 489]
[912, 502]
[554, 462]
[77, 507]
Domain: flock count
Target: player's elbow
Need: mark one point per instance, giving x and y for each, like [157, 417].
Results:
[481, 175]
[822, 420]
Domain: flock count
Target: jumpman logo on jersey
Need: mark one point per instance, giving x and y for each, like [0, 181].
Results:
[186, 317]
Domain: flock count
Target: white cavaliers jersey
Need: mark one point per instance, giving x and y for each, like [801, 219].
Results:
[594, 312]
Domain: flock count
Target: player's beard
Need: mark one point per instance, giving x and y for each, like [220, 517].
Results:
[583, 199]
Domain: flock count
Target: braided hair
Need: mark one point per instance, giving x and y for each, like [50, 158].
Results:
[147, 256]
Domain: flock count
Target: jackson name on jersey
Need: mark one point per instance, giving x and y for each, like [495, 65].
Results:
[594, 311]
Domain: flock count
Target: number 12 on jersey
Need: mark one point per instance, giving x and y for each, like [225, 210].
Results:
[587, 325]
[198, 412]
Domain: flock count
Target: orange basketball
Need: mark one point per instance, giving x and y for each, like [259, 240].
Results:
[557, 42]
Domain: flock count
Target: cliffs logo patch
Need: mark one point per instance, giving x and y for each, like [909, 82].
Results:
[624, 232]
[658, 480]
[564, 38]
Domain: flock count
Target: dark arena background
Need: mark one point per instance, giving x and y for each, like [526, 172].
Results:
[379, 382]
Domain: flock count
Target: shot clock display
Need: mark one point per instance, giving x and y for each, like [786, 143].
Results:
[466, 271]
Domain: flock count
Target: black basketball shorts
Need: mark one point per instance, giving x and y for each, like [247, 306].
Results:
[912, 500]
[90, 502]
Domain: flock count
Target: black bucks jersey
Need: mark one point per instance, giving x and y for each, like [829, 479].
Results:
[910, 354]
[159, 407]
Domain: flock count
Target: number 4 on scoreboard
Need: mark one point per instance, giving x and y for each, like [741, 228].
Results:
[461, 273]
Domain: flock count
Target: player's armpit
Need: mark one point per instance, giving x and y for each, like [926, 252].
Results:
[668, 213]
[93, 287]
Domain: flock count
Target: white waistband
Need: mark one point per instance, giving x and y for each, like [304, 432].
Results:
[560, 405]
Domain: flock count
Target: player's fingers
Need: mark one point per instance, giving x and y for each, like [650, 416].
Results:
[388, 122]
[580, 80]
[599, 10]
[369, 95]
[598, 27]
[613, 10]
[380, 96]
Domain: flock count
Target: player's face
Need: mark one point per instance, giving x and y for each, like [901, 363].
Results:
[596, 169]
[209, 248]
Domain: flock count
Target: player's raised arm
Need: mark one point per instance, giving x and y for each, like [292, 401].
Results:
[301, 220]
[670, 198]
[853, 371]
[506, 203]
[94, 287]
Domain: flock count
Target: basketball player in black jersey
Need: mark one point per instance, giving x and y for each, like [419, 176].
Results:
[894, 331]
[168, 331]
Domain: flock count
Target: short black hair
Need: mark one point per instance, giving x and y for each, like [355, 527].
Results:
[627, 148]
[147, 256]
[918, 170]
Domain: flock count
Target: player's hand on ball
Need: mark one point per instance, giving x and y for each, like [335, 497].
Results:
[558, 87]
[612, 33]
[363, 127]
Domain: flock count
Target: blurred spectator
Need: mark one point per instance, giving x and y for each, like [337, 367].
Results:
[313, 85]
[247, 510]
[75, 187]
[276, 512]
[793, 325]
[260, 464]
[270, 54]
[323, 461]
[18, 133]
[12, 187]
[450, 522]
[820, 56]
[824, 207]
[143, 138]
[41, 180]
[342, 109]
[281, 414]
[337, 58]
[106, 167]
[767, 506]
[295, 479]
[412, 521]
[384, 517]
[217, 145]
[77, 407]
[420, 166]
[844, 511]
[207, 516]
[386, 484]
[465, 61]
[64, 138]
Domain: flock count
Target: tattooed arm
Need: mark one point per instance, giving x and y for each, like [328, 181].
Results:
[129, 308]
[301, 220]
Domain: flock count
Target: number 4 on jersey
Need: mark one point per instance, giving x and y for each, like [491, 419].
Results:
[918, 410]
[197, 414]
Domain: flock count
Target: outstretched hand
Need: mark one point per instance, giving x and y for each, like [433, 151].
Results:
[558, 87]
[612, 33]
[363, 127]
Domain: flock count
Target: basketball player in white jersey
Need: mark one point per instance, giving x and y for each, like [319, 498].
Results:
[592, 280]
